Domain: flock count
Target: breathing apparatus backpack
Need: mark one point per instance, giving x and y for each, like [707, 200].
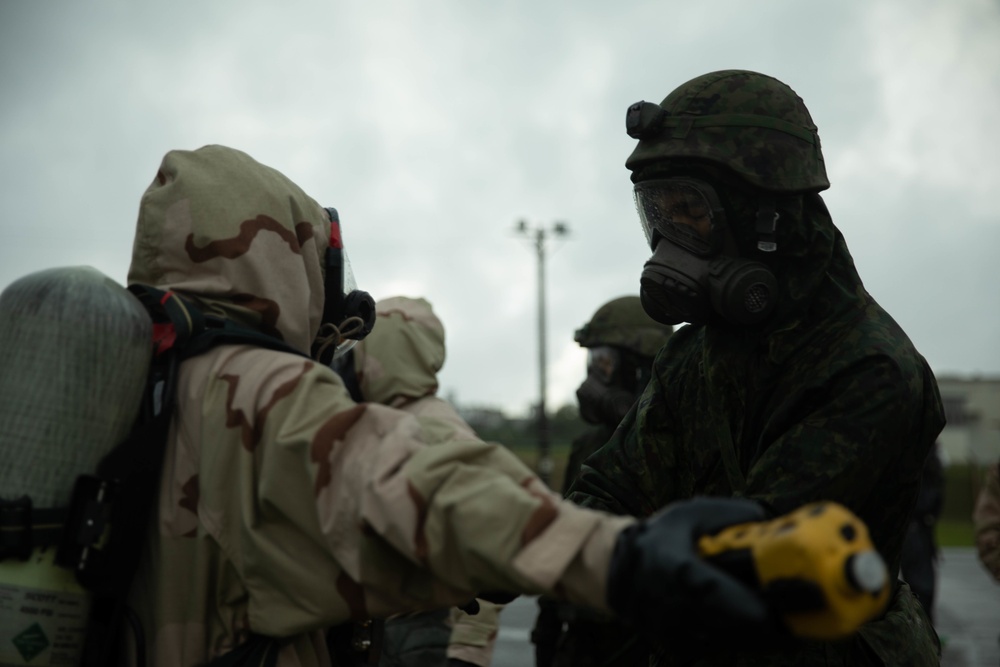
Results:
[85, 407]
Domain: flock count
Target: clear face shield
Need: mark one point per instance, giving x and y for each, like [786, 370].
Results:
[603, 363]
[348, 313]
[685, 211]
[349, 327]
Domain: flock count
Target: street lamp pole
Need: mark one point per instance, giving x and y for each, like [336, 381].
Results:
[539, 235]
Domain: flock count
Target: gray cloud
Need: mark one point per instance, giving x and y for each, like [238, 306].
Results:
[434, 127]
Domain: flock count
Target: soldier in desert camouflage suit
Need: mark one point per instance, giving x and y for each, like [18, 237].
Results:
[397, 365]
[286, 508]
[802, 388]
[986, 519]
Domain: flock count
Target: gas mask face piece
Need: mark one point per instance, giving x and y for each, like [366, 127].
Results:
[348, 313]
[607, 393]
[695, 274]
[603, 363]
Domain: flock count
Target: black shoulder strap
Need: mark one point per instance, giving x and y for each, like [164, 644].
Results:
[257, 651]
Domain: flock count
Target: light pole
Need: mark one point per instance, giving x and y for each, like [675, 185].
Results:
[538, 235]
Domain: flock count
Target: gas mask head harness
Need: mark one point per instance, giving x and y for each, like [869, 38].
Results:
[348, 313]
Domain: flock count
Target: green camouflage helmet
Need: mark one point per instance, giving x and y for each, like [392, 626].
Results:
[622, 322]
[753, 124]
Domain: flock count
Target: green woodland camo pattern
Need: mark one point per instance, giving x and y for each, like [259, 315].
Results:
[397, 365]
[284, 506]
[829, 400]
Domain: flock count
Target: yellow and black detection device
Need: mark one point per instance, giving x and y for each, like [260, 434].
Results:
[816, 568]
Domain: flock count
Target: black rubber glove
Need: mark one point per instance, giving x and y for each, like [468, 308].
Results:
[658, 581]
[545, 634]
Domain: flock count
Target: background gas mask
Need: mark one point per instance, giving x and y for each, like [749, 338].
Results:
[696, 274]
[611, 387]
[348, 313]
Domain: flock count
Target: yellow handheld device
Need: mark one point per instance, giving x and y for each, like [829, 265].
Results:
[816, 567]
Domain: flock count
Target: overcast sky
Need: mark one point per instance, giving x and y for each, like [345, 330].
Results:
[434, 126]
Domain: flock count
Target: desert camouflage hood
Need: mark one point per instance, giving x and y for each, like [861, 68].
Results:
[399, 360]
[218, 226]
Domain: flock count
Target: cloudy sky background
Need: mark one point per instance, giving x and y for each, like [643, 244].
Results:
[435, 126]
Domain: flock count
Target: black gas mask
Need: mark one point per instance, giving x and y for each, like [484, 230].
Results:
[614, 379]
[696, 274]
[348, 313]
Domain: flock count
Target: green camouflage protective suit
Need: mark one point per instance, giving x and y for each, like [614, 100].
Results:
[284, 506]
[397, 365]
[828, 400]
[622, 324]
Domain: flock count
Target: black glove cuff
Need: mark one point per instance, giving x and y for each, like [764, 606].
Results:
[621, 591]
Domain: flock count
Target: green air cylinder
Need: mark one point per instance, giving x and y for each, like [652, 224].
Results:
[75, 348]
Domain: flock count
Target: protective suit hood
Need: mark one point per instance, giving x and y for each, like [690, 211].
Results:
[237, 236]
[814, 269]
[399, 360]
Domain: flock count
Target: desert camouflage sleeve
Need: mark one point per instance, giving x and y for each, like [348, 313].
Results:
[473, 638]
[986, 517]
[346, 511]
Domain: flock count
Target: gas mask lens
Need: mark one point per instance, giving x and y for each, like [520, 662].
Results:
[602, 362]
[684, 211]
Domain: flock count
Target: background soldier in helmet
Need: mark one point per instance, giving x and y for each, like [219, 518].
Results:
[790, 384]
[621, 341]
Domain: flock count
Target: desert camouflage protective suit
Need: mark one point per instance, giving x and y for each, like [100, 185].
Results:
[828, 400]
[285, 507]
[986, 519]
[397, 365]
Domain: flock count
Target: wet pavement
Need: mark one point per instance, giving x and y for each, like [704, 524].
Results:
[967, 616]
[967, 613]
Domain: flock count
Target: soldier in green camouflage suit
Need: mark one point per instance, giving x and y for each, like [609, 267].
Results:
[621, 340]
[786, 389]
[285, 508]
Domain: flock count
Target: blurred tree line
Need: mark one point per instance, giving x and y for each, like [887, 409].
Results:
[519, 433]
